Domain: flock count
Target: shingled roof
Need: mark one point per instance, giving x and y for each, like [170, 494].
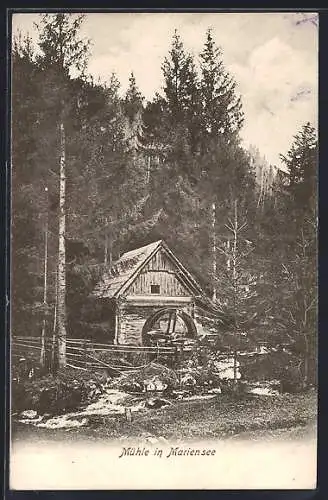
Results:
[123, 271]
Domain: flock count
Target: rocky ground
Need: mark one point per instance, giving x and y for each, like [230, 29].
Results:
[119, 416]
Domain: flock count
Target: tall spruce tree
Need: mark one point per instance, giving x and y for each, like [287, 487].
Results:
[301, 163]
[288, 251]
[225, 171]
[180, 80]
[221, 106]
[62, 51]
[300, 272]
[28, 201]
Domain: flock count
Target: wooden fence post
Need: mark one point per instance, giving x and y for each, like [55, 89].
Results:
[53, 362]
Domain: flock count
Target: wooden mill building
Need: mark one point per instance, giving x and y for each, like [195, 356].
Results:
[147, 290]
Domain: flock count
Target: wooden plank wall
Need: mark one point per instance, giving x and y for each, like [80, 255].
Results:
[132, 320]
[159, 271]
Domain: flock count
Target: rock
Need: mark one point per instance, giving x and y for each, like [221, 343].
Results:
[149, 386]
[160, 385]
[155, 384]
[263, 391]
[162, 440]
[62, 421]
[152, 440]
[188, 381]
[179, 394]
[132, 387]
[29, 414]
[215, 390]
[157, 403]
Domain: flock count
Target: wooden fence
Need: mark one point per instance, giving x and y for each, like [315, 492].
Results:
[85, 354]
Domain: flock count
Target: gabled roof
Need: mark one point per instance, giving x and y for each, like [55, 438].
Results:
[126, 269]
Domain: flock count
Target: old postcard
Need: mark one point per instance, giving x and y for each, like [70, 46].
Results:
[164, 247]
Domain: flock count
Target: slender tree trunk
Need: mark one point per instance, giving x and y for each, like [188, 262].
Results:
[228, 256]
[235, 367]
[61, 305]
[235, 287]
[110, 254]
[106, 245]
[214, 265]
[306, 361]
[261, 191]
[148, 171]
[234, 251]
[106, 251]
[54, 328]
[45, 287]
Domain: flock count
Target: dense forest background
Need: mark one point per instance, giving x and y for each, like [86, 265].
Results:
[173, 168]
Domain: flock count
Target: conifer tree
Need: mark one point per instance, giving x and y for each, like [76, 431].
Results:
[221, 106]
[180, 80]
[301, 163]
[62, 51]
[297, 278]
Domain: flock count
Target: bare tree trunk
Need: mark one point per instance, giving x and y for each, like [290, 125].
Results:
[106, 245]
[61, 301]
[234, 278]
[306, 361]
[148, 170]
[234, 251]
[261, 191]
[234, 255]
[45, 286]
[235, 367]
[214, 266]
[54, 328]
[110, 255]
[228, 256]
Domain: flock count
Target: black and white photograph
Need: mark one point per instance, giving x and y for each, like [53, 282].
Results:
[163, 283]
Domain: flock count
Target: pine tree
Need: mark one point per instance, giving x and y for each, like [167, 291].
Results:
[133, 99]
[301, 162]
[179, 80]
[265, 176]
[288, 249]
[133, 111]
[28, 202]
[225, 169]
[236, 279]
[221, 107]
[299, 278]
[62, 50]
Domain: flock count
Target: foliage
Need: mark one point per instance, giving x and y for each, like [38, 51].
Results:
[221, 107]
[135, 381]
[138, 172]
[301, 162]
[66, 391]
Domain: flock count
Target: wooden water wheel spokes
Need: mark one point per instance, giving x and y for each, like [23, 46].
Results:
[172, 321]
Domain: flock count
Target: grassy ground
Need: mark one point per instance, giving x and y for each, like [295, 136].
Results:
[283, 416]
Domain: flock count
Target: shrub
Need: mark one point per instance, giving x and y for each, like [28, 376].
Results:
[291, 380]
[56, 394]
[237, 389]
[135, 382]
